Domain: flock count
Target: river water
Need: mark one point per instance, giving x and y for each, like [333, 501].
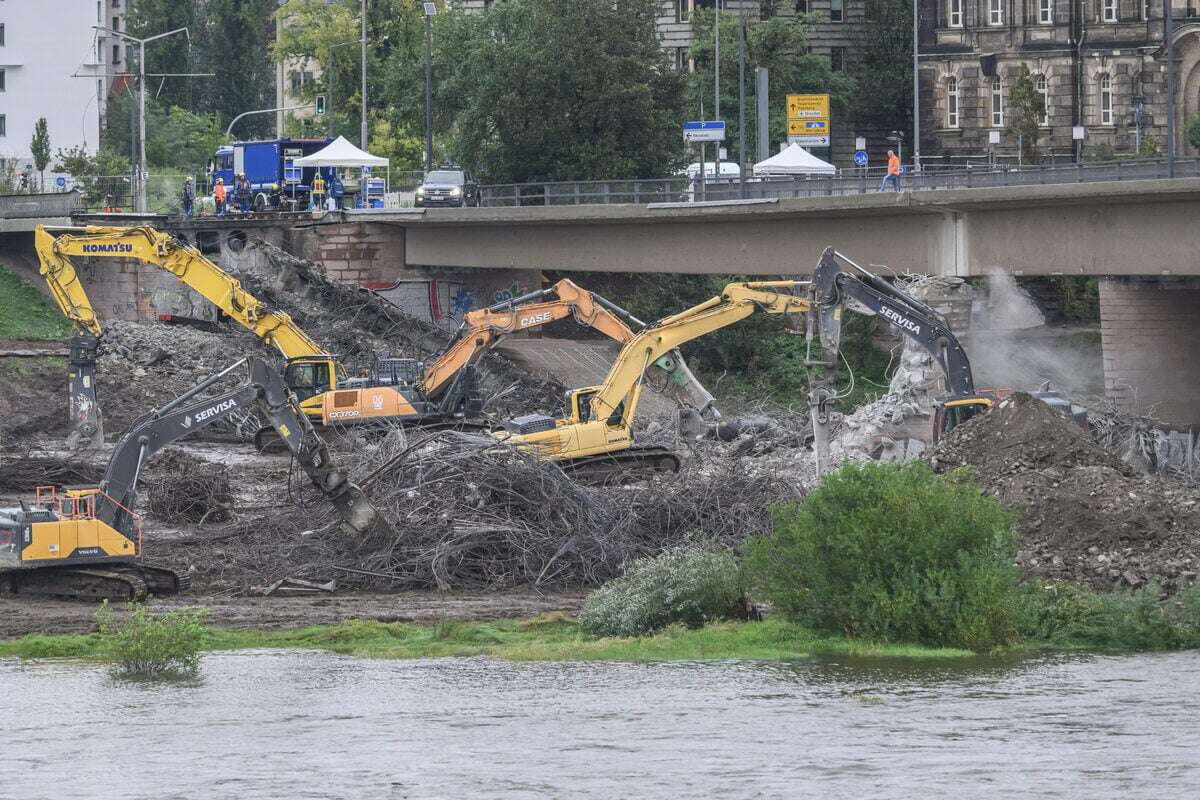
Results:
[291, 724]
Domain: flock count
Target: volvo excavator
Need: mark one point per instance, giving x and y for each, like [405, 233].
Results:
[595, 438]
[85, 542]
[396, 390]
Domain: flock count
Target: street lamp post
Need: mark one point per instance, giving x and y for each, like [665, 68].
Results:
[916, 142]
[1169, 32]
[364, 75]
[742, 99]
[141, 43]
[430, 10]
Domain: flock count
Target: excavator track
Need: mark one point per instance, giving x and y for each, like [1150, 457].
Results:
[119, 582]
[626, 466]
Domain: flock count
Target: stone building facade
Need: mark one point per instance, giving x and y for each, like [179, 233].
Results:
[1098, 64]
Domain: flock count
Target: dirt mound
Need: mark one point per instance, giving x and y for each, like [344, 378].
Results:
[1084, 515]
[1019, 434]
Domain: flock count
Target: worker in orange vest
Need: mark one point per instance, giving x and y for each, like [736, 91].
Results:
[893, 173]
[219, 197]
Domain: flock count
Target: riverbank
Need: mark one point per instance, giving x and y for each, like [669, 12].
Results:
[548, 637]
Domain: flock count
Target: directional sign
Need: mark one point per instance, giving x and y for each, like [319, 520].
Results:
[860, 158]
[60, 181]
[808, 119]
[704, 131]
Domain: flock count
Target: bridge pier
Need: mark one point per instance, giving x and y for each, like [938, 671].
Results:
[1150, 332]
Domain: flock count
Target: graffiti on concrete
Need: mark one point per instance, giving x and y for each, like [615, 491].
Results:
[461, 302]
[511, 292]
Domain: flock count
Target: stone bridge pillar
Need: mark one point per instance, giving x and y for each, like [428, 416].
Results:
[1150, 330]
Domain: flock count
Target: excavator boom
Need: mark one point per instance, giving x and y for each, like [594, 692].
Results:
[599, 428]
[85, 542]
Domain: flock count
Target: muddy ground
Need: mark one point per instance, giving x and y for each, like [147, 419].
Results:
[20, 616]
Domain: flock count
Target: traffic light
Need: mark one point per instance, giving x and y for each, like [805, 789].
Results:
[321, 105]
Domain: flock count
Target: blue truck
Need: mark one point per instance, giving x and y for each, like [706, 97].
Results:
[274, 183]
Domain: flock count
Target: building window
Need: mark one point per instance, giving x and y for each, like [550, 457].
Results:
[995, 12]
[1045, 11]
[1043, 90]
[952, 102]
[836, 13]
[1146, 10]
[116, 26]
[997, 102]
[1106, 109]
[3, 125]
[837, 59]
[3, 82]
[116, 3]
[801, 6]
[683, 10]
[1110, 10]
[956, 13]
[116, 54]
[1, 34]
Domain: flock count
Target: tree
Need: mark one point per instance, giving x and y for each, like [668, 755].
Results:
[229, 38]
[97, 176]
[1025, 110]
[176, 139]
[883, 71]
[542, 91]
[1191, 131]
[781, 45]
[39, 146]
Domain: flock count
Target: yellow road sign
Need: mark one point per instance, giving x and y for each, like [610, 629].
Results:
[808, 106]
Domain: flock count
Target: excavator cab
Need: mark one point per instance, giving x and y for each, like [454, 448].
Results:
[310, 377]
[949, 414]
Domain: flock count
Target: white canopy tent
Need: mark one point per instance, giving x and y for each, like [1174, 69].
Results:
[341, 153]
[794, 160]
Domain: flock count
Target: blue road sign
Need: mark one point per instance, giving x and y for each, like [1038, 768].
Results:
[60, 182]
[704, 131]
[860, 157]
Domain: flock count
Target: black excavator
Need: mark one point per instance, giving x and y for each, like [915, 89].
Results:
[85, 542]
[832, 288]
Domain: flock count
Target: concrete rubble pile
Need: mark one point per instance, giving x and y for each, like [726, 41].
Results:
[1083, 514]
[896, 427]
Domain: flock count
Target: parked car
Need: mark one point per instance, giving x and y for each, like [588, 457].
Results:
[447, 186]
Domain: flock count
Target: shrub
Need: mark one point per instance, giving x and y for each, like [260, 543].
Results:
[146, 646]
[1066, 614]
[690, 585]
[893, 553]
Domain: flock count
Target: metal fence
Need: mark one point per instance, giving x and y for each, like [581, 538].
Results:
[117, 192]
[847, 182]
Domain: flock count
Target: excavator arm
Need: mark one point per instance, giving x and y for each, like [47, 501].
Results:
[57, 246]
[263, 388]
[914, 319]
[601, 418]
[482, 329]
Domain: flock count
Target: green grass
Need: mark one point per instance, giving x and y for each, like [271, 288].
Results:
[551, 637]
[25, 313]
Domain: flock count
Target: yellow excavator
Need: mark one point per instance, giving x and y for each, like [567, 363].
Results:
[595, 439]
[396, 390]
[85, 542]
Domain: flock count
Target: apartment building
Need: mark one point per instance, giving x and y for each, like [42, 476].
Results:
[50, 66]
[1099, 65]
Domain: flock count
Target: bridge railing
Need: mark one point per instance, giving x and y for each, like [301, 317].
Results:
[38, 206]
[848, 182]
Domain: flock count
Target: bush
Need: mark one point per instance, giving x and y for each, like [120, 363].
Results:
[145, 646]
[1068, 615]
[690, 585]
[893, 553]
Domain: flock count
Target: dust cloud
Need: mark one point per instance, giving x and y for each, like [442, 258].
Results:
[1011, 346]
